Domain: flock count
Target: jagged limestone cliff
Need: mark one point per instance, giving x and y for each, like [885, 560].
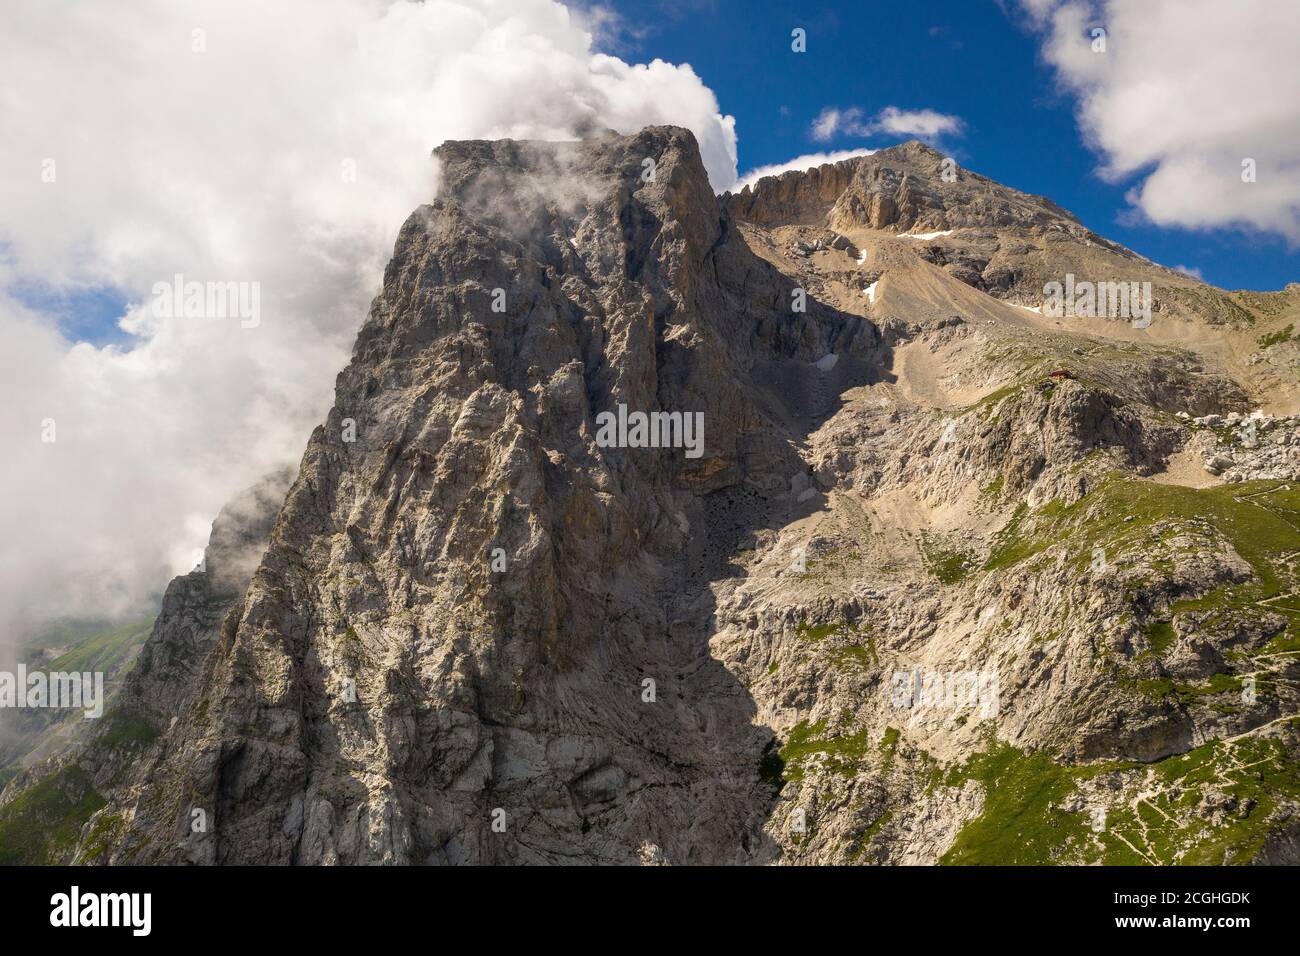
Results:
[478, 635]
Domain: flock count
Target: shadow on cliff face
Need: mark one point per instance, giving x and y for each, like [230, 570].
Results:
[389, 693]
[791, 367]
[671, 311]
[683, 775]
[568, 709]
[606, 731]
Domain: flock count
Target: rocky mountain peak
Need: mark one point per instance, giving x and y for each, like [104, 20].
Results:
[545, 191]
[474, 574]
[652, 526]
[911, 187]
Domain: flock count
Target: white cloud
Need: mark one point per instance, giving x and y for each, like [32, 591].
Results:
[229, 164]
[1191, 271]
[924, 123]
[807, 161]
[833, 121]
[1184, 93]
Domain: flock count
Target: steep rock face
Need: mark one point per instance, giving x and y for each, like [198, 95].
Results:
[914, 188]
[480, 634]
[460, 609]
[797, 197]
[1023, 501]
[167, 674]
[117, 753]
[907, 188]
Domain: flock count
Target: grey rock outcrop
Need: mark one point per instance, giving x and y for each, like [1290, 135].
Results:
[462, 612]
[940, 563]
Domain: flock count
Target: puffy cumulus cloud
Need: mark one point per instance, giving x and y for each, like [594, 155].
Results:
[1184, 93]
[661, 93]
[925, 124]
[807, 161]
[281, 144]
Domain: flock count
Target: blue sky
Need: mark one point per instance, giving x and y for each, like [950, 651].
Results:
[85, 314]
[962, 57]
[222, 160]
[965, 58]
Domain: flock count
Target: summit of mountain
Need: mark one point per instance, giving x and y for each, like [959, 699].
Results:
[949, 578]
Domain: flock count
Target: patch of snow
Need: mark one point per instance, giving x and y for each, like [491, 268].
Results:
[862, 257]
[827, 361]
[925, 235]
[1031, 308]
[870, 292]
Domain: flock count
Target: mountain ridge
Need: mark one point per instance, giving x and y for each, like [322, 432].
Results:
[442, 655]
